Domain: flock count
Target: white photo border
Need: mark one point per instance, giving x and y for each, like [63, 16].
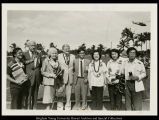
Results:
[152, 8]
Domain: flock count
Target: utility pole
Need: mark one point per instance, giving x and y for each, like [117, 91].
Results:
[111, 45]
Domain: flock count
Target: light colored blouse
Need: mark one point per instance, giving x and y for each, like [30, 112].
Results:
[49, 68]
[114, 67]
[97, 73]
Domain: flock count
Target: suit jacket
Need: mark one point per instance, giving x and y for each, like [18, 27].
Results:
[33, 71]
[68, 69]
[85, 69]
[46, 70]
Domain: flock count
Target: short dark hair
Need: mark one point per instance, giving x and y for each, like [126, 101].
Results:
[80, 49]
[114, 50]
[39, 47]
[130, 49]
[15, 51]
[100, 55]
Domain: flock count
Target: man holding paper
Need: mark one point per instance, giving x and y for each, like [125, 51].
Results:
[134, 71]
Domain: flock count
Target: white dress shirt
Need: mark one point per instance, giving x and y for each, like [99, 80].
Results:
[30, 53]
[138, 69]
[80, 72]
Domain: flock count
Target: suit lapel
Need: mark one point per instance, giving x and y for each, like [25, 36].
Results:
[85, 64]
[38, 60]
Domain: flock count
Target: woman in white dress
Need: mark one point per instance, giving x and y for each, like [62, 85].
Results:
[49, 70]
[97, 79]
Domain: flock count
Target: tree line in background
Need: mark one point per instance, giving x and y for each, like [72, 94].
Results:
[138, 39]
[127, 36]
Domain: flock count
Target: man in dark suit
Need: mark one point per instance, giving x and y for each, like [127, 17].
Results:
[33, 69]
[80, 80]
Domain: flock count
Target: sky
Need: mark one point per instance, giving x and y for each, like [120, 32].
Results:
[72, 27]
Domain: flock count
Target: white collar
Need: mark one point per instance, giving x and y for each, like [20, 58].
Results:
[97, 61]
[81, 59]
[111, 60]
[134, 61]
[65, 55]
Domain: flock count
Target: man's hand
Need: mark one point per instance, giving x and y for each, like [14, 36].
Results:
[31, 60]
[115, 81]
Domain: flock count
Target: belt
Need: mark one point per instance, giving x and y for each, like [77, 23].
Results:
[80, 77]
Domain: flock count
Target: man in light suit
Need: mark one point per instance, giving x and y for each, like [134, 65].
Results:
[134, 71]
[80, 80]
[33, 70]
[66, 61]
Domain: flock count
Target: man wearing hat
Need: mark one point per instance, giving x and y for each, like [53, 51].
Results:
[33, 66]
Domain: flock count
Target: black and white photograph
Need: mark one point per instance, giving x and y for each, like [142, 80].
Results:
[75, 59]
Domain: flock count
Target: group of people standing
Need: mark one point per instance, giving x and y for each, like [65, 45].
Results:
[59, 73]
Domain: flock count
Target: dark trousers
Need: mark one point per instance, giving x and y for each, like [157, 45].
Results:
[97, 98]
[16, 98]
[133, 99]
[32, 96]
[115, 98]
[18, 95]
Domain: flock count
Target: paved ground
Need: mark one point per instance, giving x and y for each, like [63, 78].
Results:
[106, 105]
[106, 101]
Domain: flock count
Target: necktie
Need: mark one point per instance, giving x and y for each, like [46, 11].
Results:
[81, 69]
[67, 60]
